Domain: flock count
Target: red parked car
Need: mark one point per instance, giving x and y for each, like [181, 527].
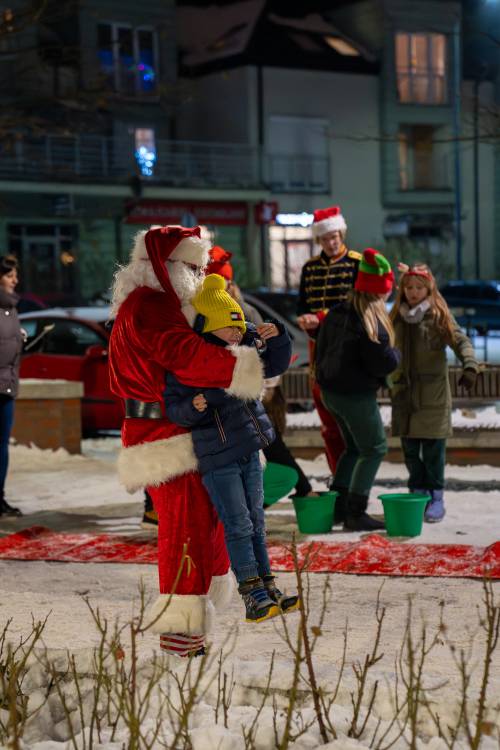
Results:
[72, 344]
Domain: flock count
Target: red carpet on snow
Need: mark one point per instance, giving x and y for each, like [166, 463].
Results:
[373, 555]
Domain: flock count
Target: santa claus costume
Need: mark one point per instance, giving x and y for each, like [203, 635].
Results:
[151, 335]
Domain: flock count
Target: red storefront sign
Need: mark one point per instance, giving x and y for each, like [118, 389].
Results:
[265, 212]
[186, 212]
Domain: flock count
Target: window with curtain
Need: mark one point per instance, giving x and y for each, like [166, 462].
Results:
[128, 58]
[421, 68]
[423, 158]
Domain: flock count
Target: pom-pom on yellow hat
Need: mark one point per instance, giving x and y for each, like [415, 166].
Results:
[217, 306]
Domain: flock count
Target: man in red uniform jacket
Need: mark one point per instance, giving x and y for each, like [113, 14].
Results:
[151, 335]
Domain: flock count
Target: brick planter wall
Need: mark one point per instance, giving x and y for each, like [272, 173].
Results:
[48, 414]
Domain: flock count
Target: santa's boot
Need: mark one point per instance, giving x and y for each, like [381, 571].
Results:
[435, 510]
[6, 509]
[258, 604]
[284, 602]
[357, 519]
[182, 644]
[150, 517]
[339, 512]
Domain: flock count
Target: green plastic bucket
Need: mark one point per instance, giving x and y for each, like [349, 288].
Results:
[404, 513]
[315, 514]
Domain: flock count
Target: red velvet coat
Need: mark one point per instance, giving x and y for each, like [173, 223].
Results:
[149, 337]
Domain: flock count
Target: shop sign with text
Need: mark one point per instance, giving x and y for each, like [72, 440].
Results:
[186, 212]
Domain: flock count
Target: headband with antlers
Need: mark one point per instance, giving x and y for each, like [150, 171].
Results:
[414, 271]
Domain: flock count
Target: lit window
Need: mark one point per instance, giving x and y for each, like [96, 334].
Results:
[127, 58]
[423, 158]
[145, 150]
[421, 68]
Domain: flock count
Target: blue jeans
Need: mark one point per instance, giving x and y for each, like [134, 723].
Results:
[6, 420]
[237, 492]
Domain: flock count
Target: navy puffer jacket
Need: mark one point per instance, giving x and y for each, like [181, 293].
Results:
[230, 428]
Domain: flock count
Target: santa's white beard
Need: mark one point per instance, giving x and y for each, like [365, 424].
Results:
[185, 281]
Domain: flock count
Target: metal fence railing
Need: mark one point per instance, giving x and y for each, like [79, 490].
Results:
[93, 157]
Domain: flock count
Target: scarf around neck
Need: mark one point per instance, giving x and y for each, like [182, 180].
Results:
[414, 314]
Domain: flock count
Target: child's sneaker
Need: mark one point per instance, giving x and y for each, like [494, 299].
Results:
[259, 606]
[284, 602]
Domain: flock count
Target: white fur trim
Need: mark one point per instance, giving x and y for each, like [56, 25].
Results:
[151, 464]
[332, 224]
[139, 251]
[189, 614]
[192, 250]
[221, 590]
[189, 313]
[248, 377]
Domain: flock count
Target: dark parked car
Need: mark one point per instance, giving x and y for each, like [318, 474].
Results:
[283, 307]
[475, 304]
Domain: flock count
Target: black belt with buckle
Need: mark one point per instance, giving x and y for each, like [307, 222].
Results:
[143, 409]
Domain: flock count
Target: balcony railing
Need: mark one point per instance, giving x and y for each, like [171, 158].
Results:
[297, 174]
[95, 158]
[432, 174]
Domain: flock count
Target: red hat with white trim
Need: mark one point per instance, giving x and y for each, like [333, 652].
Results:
[328, 220]
[172, 243]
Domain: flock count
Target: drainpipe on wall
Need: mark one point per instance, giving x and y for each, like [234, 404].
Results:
[263, 228]
[475, 155]
[456, 141]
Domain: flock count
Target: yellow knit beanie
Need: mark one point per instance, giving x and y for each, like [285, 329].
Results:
[217, 306]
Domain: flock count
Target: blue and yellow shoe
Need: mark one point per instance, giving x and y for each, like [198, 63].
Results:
[285, 603]
[258, 604]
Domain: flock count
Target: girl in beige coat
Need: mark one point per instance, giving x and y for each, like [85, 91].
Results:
[420, 393]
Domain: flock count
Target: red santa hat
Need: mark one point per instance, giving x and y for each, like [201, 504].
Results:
[328, 220]
[220, 263]
[160, 244]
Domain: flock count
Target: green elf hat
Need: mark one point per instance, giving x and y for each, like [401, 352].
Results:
[375, 275]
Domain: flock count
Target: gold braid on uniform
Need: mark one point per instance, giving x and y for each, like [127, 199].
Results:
[327, 284]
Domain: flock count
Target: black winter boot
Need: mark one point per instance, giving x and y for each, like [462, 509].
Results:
[150, 517]
[284, 602]
[357, 519]
[259, 605]
[340, 503]
[6, 509]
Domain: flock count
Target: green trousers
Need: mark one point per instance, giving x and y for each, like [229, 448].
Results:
[425, 459]
[358, 417]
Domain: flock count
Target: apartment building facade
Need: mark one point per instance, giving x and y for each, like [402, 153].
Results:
[107, 135]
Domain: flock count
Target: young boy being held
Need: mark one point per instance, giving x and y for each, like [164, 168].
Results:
[227, 436]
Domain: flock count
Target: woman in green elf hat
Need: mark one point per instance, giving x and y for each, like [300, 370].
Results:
[354, 355]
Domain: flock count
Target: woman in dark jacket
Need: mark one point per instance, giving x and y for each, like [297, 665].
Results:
[11, 342]
[354, 355]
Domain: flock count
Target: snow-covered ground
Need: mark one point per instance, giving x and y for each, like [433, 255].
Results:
[83, 491]
[484, 418]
